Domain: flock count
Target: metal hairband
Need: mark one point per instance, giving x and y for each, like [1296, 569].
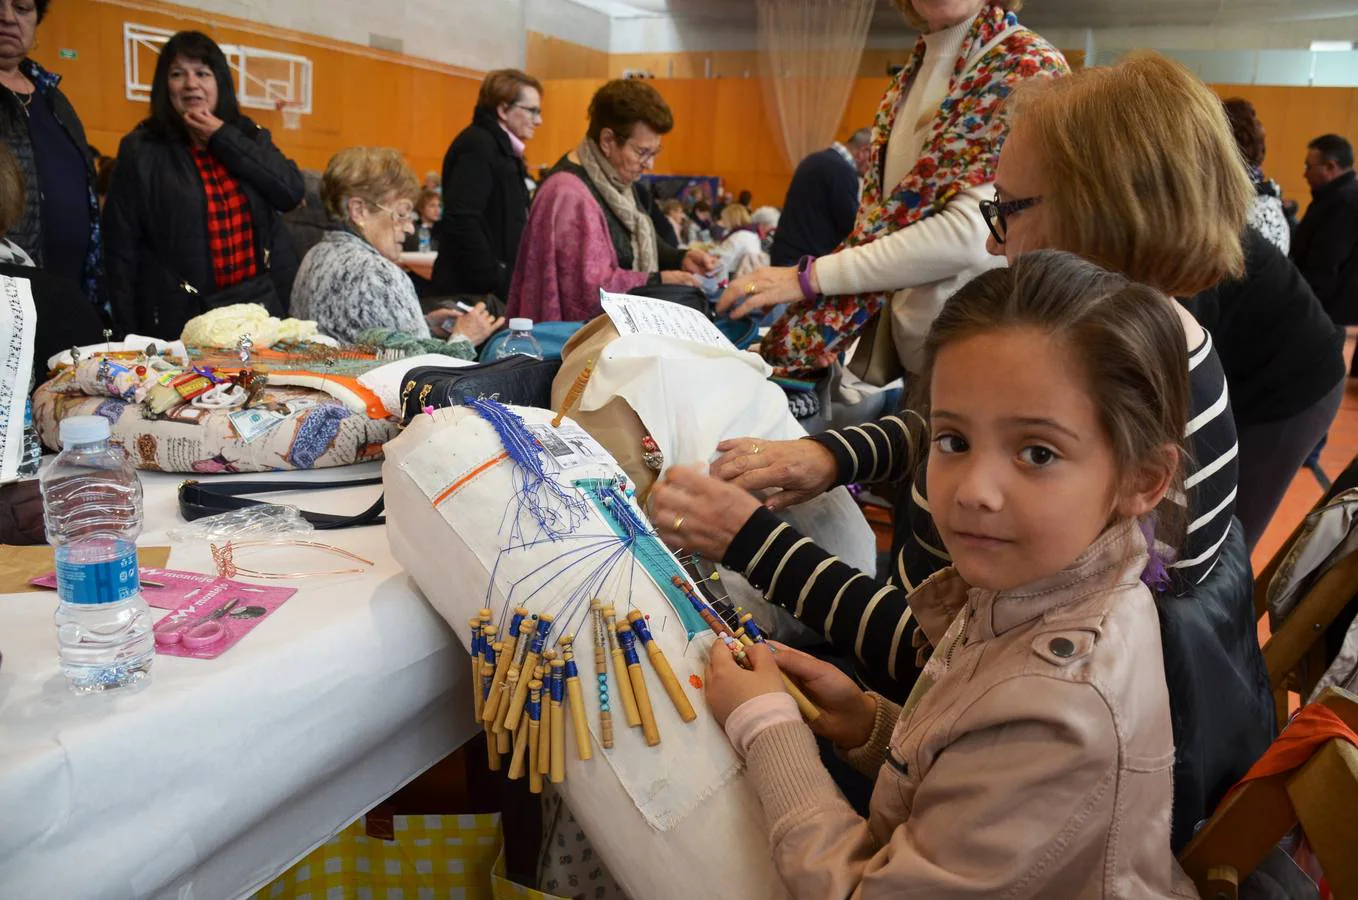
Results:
[224, 558]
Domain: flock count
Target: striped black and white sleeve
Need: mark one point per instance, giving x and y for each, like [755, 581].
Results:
[855, 613]
[875, 451]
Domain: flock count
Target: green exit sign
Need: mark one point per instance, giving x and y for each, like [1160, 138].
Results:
[67, 54]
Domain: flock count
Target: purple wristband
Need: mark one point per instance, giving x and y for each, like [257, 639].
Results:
[804, 277]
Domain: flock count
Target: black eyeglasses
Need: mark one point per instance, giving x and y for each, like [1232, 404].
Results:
[534, 112]
[996, 213]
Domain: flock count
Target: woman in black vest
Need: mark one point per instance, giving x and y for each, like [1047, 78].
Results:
[58, 227]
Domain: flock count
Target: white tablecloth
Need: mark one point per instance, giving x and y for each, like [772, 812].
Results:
[220, 774]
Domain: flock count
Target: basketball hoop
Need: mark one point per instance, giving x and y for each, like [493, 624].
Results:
[292, 114]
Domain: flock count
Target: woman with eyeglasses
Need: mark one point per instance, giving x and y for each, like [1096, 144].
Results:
[919, 234]
[485, 192]
[591, 225]
[193, 216]
[350, 282]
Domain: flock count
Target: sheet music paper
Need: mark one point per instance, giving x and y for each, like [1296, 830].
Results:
[644, 315]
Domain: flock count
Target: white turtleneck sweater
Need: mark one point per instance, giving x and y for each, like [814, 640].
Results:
[927, 261]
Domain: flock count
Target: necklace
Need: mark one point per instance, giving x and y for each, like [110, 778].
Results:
[25, 100]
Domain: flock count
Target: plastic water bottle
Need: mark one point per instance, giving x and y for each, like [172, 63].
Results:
[520, 341]
[425, 237]
[92, 508]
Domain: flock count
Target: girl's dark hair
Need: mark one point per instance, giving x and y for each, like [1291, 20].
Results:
[164, 122]
[1128, 335]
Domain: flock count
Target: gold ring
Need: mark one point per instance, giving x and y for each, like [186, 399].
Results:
[756, 449]
[678, 523]
[751, 289]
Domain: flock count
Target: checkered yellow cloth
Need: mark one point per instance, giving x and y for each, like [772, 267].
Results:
[432, 858]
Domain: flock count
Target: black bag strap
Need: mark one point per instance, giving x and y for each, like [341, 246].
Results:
[197, 500]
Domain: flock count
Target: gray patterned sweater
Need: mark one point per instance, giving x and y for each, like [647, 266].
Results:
[347, 287]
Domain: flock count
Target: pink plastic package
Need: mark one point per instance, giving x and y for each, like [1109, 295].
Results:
[167, 588]
[214, 617]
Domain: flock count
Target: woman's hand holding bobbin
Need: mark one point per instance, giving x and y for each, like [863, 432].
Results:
[799, 470]
[763, 289]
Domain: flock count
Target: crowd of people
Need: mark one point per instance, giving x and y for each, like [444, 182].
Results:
[1114, 340]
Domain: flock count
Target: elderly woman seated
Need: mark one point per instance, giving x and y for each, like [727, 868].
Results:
[590, 226]
[742, 250]
[350, 283]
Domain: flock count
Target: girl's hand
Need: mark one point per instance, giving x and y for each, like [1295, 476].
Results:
[697, 512]
[799, 469]
[728, 685]
[847, 712]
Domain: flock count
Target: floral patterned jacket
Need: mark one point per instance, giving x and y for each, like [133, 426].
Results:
[960, 152]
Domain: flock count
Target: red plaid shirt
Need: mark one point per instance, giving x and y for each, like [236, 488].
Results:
[230, 229]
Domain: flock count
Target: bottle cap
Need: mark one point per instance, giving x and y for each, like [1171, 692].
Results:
[520, 324]
[83, 430]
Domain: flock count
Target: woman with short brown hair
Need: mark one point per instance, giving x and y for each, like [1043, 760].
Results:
[590, 227]
[349, 282]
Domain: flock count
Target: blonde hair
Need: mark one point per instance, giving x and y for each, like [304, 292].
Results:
[370, 173]
[1143, 175]
[735, 216]
[907, 9]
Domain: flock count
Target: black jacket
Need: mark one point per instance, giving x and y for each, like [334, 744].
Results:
[1281, 352]
[485, 206]
[819, 209]
[1325, 247]
[66, 318]
[155, 224]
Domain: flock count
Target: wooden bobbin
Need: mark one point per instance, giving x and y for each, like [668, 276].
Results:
[575, 698]
[626, 690]
[545, 729]
[503, 658]
[492, 749]
[662, 668]
[556, 768]
[643, 697]
[518, 764]
[534, 726]
[531, 661]
[512, 679]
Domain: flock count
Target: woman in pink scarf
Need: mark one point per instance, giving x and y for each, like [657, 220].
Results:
[590, 226]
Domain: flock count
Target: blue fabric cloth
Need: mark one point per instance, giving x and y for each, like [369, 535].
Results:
[65, 210]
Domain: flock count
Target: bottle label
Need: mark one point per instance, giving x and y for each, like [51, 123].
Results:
[109, 581]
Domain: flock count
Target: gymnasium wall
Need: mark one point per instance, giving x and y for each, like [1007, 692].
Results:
[368, 96]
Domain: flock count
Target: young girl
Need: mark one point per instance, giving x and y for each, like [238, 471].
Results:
[1033, 757]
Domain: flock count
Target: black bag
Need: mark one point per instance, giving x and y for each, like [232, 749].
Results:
[197, 499]
[683, 294]
[518, 381]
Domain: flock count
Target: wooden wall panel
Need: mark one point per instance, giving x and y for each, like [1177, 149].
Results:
[366, 96]
[695, 64]
[360, 96]
[1292, 118]
[548, 57]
